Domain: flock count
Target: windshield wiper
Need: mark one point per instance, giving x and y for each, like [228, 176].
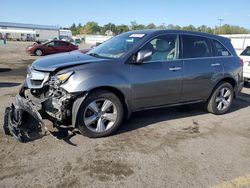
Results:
[99, 56]
[94, 54]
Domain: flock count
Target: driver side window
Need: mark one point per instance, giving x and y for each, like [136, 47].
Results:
[51, 44]
[163, 48]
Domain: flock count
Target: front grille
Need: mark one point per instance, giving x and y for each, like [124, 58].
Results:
[36, 82]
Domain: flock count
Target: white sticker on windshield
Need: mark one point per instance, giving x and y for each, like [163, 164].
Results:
[137, 35]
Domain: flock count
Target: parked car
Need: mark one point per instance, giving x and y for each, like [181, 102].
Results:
[131, 72]
[245, 55]
[51, 47]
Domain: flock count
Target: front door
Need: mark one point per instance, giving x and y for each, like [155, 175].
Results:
[51, 47]
[158, 81]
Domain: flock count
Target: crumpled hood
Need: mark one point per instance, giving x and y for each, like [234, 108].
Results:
[58, 61]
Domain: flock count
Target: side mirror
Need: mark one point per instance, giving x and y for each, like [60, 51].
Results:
[143, 55]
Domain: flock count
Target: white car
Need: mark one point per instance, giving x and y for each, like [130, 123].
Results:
[245, 55]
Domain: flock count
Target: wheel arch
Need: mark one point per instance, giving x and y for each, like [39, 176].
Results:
[117, 92]
[229, 80]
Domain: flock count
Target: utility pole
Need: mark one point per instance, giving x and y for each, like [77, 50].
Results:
[220, 22]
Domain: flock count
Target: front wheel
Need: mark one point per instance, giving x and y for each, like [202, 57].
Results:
[221, 99]
[39, 52]
[100, 114]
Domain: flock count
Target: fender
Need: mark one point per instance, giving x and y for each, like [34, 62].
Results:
[98, 80]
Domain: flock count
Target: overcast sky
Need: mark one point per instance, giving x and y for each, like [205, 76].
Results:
[181, 12]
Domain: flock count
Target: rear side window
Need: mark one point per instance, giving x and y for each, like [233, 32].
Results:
[246, 52]
[60, 43]
[220, 50]
[195, 46]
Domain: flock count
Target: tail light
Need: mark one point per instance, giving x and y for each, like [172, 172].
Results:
[241, 62]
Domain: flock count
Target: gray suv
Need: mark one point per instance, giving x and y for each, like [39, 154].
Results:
[133, 71]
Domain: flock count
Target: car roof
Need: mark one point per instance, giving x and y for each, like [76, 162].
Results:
[163, 31]
[58, 41]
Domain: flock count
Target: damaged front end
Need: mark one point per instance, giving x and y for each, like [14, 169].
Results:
[17, 116]
[40, 97]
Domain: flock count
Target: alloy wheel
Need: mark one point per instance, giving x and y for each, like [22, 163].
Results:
[39, 52]
[100, 115]
[223, 99]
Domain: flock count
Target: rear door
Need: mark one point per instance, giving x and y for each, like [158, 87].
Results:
[201, 68]
[62, 46]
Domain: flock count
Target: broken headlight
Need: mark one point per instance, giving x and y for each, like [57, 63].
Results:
[62, 78]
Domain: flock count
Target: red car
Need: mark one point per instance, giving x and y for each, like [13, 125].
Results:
[52, 47]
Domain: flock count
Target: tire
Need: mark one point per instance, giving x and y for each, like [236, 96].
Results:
[38, 52]
[6, 121]
[100, 114]
[246, 83]
[221, 99]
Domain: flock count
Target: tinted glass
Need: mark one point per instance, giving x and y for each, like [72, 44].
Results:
[51, 44]
[195, 46]
[63, 44]
[220, 50]
[163, 48]
[246, 52]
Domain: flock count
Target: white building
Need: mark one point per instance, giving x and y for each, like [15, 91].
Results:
[19, 31]
[239, 41]
[65, 34]
[93, 39]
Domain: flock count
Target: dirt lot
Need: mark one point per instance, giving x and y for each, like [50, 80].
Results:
[173, 147]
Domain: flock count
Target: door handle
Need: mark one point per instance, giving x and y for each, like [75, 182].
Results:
[215, 64]
[175, 68]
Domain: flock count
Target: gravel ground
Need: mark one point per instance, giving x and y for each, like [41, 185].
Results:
[172, 147]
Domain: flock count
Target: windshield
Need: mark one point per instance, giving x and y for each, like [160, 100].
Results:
[116, 46]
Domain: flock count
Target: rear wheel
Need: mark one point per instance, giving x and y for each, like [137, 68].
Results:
[221, 99]
[39, 52]
[100, 114]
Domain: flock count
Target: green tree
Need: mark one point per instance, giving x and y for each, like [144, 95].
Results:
[109, 26]
[90, 28]
[189, 28]
[73, 29]
[151, 26]
[171, 26]
[133, 25]
[121, 28]
[136, 26]
[162, 26]
[94, 28]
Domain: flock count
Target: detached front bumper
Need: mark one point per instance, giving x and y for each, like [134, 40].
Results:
[26, 107]
[16, 117]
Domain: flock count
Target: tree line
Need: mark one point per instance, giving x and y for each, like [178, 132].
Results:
[111, 28]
